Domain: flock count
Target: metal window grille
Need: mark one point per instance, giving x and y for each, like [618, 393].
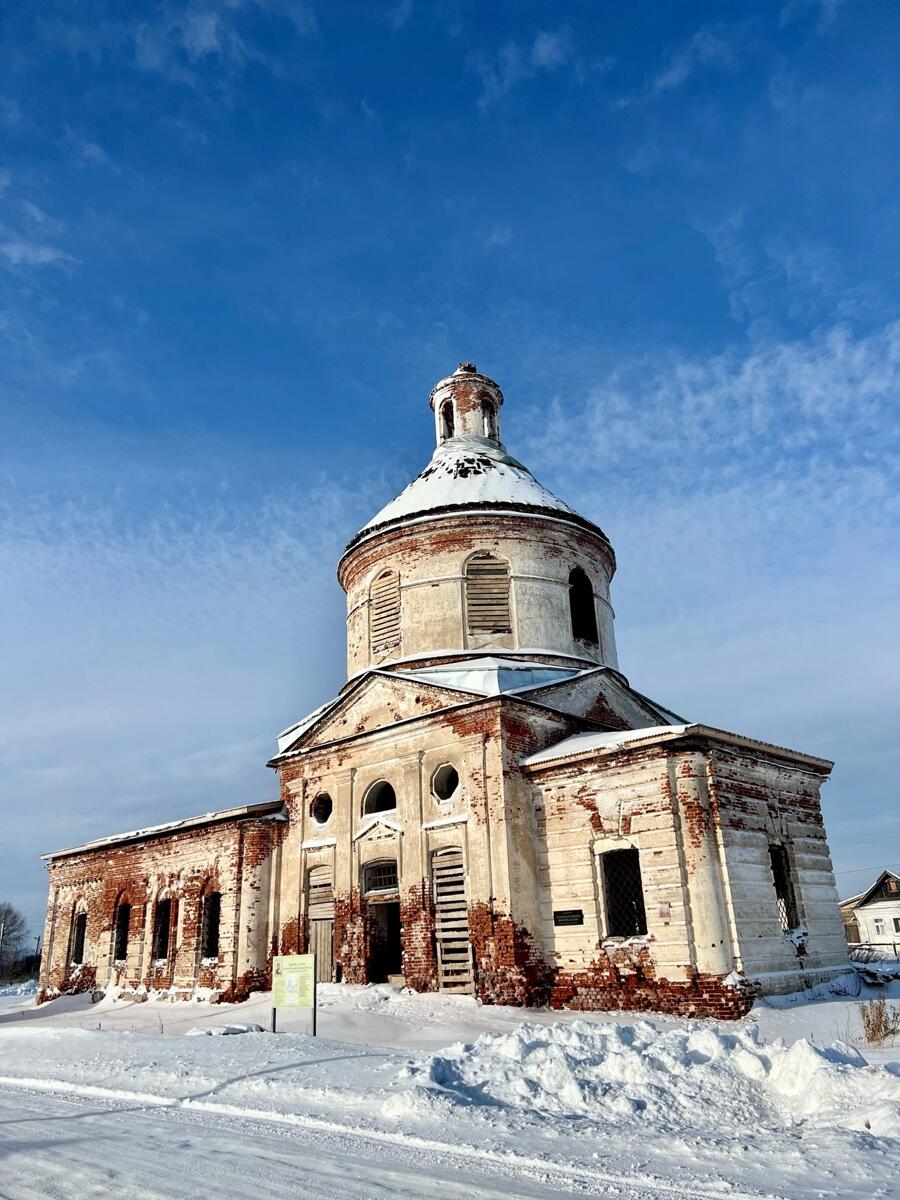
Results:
[487, 595]
[625, 913]
[784, 888]
[123, 920]
[381, 877]
[384, 612]
[161, 929]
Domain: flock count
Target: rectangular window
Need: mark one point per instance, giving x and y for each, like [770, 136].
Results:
[209, 932]
[123, 920]
[623, 893]
[896, 924]
[161, 929]
[381, 877]
[79, 930]
[784, 887]
[879, 925]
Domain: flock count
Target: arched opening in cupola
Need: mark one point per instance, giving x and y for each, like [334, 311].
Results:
[489, 420]
[582, 608]
[487, 595]
[448, 420]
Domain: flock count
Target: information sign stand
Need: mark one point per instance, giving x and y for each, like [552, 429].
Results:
[294, 985]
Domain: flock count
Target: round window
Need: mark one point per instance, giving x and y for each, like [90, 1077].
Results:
[320, 809]
[445, 781]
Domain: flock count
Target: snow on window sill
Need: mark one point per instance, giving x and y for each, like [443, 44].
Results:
[210, 962]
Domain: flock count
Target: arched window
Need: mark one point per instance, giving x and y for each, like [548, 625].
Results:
[487, 595]
[582, 608]
[78, 936]
[380, 797]
[448, 421]
[384, 612]
[162, 920]
[209, 924]
[489, 419]
[120, 939]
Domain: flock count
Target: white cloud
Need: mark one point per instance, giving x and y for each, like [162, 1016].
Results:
[513, 64]
[709, 48]
[21, 252]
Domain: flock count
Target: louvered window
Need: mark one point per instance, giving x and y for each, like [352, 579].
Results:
[384, 612]
[487, 595]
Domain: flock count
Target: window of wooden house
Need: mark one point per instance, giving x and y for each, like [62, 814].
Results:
[384, 612]
[79, 932]
[623, 893]
[120, 940]
[487, 595]
[209, 925]
[582, 608]
[784, 887]
[161, 923]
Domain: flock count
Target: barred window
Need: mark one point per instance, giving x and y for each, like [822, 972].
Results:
[381, 877]
[624, 893]
[581, 607]
[784, 887]
[123, 920]
[487, 595]
[163, 918]
[384, 612]
[79, 931]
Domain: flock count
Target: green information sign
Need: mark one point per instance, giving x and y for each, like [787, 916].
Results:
[294, 981]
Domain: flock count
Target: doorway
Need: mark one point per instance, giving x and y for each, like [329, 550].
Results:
[385, 948]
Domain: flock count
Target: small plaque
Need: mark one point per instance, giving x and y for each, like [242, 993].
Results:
[665, 908]
[568, 916]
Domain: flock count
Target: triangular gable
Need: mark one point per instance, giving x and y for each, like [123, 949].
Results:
[375, 701]
[881, 889]
[602, 696]
[378, 827]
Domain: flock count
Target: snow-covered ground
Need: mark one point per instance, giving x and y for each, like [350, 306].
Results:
[406, 1095]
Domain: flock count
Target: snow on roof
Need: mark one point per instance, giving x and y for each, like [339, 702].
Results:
[273, 808]
[469, 471]
[493, 676]
[587, 743]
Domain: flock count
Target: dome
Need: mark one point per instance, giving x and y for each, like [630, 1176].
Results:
[470, 472]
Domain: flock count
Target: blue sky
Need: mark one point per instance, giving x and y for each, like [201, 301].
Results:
[240, 241]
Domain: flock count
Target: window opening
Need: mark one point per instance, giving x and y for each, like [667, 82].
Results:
[321, 808]
[123, 920]
[582, 608]
[380, 797]
[784, 888]
[445, 781]
[896, 924]
[487, 595]
[625, 914]
[879, 925]
[489, 420]
[384, 612]
[79, 931]
[381, 877]
[448, 420]
[161, 929]
[209, 927]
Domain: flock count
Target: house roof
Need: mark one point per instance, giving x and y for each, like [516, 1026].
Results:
[273, 809]
[585, 745]
[469, 473]
[864, 896]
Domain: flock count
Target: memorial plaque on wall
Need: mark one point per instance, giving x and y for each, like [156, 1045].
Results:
[568, 916]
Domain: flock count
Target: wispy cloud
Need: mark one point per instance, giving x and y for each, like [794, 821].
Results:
[22, 252]
[513, 64]
[399, 14]
[710, 48]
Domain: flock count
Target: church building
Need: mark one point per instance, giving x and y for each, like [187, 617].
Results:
[487, 806]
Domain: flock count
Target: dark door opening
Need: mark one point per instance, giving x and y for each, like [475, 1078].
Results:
[385, 951]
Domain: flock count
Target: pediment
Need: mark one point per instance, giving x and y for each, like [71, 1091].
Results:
[378, 829]
[604, 697]
[377, 701]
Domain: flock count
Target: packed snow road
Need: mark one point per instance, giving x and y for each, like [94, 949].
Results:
[54, 1147]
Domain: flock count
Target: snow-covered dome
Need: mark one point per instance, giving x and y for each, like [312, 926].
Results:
[471, 468]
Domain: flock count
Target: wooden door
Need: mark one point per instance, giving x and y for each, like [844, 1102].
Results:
[454, 952]
[320, 911]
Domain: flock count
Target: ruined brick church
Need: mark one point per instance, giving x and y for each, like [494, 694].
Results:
[487, 806]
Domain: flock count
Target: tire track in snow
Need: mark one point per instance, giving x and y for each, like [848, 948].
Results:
[518, 1166]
